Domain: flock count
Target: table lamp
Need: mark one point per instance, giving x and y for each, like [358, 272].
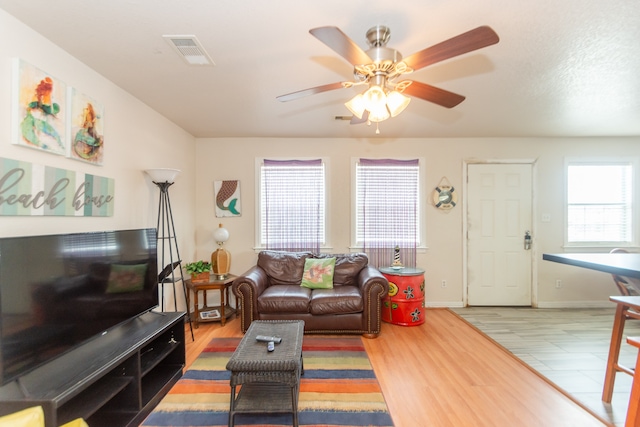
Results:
[220, 258]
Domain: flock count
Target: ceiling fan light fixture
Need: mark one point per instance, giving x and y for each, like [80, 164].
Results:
[356, 105]
[380, 104]
[397, 102]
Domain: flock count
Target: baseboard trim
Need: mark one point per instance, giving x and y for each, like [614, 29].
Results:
[444, 304]
[541, 304]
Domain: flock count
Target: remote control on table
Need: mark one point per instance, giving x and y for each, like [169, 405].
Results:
[265, 338]
[271, 346]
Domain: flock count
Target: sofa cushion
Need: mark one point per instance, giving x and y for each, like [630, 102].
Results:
[283, 268]
[284, 299]
[347, 267]
[339, 300]
[318, 273]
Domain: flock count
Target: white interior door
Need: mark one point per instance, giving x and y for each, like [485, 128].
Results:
[499, 213]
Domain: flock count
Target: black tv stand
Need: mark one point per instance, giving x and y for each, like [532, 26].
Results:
[113, 380]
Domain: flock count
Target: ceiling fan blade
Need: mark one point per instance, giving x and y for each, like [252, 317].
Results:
[433, 94]
[341, 44]
[311, 91]
[466, 42]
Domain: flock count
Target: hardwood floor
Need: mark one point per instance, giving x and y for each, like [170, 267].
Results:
[568, 346]
[445, 373]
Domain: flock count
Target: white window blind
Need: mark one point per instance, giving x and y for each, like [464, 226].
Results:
[292, 204]
[599, 203]
[387, 207]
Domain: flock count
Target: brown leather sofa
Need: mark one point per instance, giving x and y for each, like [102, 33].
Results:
[271, 291]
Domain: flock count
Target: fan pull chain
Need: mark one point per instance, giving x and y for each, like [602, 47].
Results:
[377, 128]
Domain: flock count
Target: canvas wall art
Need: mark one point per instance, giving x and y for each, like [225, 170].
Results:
[39, 109]
[87, 128]
[227, 195]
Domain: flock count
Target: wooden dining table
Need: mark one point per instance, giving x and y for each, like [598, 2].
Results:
[627, 307]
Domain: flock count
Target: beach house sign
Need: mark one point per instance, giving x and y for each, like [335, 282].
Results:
[38, 190]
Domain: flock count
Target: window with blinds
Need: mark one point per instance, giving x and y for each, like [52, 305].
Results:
[387, 203]
[600, 203]
[292, 204]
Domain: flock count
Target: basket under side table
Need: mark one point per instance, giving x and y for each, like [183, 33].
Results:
[269, 381]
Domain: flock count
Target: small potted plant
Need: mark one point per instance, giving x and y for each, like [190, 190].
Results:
[199, 271]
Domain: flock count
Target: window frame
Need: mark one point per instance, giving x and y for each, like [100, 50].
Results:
[259, 161]
[422, 200]
[635, 191]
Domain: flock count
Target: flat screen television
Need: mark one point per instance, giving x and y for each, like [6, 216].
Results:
[58, 291]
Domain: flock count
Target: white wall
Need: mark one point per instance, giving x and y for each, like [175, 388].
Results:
[136, 138]
[228, 158]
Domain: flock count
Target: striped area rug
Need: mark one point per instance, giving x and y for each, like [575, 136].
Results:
[338, 388]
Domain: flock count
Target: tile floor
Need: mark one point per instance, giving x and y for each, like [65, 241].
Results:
[567, 346]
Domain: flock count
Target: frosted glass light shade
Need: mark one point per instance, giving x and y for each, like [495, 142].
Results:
[220, 234]
[356, 105]
[163, 174]
[397, 102]
[379, 114]
[374, 97]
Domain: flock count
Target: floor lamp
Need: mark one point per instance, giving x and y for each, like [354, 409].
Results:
[166, 233]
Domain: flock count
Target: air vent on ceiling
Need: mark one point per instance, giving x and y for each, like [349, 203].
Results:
[190, 49]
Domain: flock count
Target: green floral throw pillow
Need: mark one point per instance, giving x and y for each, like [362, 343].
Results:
[318, 273]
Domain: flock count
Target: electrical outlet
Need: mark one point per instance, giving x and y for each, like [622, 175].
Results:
[444, 284]
[558, 284]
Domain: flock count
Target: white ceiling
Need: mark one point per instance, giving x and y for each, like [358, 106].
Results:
[561, 68]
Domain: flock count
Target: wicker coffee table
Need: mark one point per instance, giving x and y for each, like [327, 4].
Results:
[269, 381]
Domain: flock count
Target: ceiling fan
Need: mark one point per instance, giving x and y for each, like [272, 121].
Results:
[382, 68]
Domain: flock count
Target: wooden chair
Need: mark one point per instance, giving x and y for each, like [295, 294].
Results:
[628, 307]
[633, 411]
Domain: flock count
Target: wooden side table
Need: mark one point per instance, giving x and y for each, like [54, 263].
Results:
[224, 308]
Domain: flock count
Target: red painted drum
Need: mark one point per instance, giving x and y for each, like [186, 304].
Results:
[404, 305]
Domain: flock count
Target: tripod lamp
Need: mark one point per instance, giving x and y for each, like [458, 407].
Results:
[167, 244]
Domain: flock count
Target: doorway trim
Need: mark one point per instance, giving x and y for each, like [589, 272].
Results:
[534, 222]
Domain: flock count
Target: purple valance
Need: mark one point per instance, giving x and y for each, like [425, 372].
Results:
[388, 162]
[316, 162]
